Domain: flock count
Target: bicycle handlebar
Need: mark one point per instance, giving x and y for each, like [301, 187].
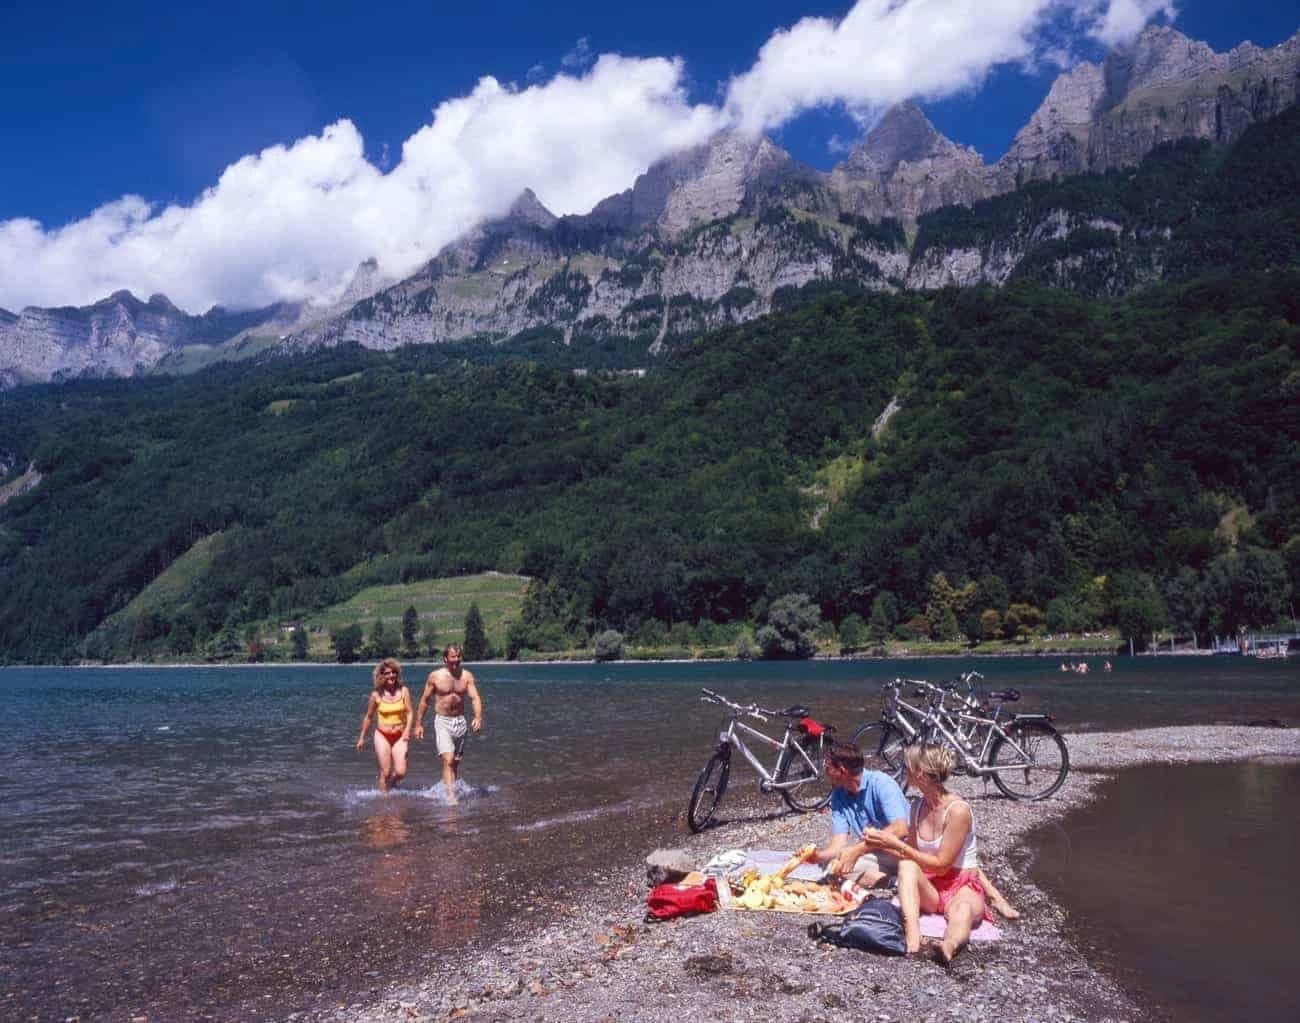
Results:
[753, 709]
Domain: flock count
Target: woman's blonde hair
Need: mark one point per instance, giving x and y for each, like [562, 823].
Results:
[386, 664]
[934, 762]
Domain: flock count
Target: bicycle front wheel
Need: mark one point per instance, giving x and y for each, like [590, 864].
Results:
[809, 789]
[882, 748]
[709, 790]
[1031, 762]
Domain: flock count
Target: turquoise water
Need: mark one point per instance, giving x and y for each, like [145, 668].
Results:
[216, 829]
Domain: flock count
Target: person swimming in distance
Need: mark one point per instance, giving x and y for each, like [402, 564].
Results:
[390, 702]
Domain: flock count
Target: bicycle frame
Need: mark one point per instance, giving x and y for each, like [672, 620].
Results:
[975, 764]
[731, 737]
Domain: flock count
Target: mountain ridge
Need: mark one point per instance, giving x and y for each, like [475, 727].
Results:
[718, 233]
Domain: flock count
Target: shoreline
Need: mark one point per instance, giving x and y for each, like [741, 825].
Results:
[851, 658]
[597, 960]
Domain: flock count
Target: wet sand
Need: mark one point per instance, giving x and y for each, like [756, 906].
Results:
[592, 958]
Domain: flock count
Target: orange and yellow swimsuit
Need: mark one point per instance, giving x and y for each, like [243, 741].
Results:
[392, 718]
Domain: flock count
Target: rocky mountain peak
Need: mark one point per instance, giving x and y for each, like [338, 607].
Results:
[903, 135]
[161, 303]
[528, 209]
[706, 182]
[1160, 56]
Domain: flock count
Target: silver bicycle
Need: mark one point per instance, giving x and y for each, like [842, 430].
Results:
[797, 773]
[1025, 756]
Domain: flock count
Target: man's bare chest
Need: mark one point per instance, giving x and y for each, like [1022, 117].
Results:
[448, 685]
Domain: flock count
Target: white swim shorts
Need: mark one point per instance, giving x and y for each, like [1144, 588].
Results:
[449, 735]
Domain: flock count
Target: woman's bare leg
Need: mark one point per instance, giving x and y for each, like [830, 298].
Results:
[399, 760]
[915, 893]
[997, 900]
[383, 754]
[964, 911]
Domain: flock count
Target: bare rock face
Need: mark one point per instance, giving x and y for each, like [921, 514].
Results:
[1055, 141]
[706, 183]
[114, 337]
[904, 168]
[118, 336]
[1165, 87]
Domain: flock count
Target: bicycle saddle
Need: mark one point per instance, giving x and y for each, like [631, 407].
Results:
[797, 711]
[1006, 695]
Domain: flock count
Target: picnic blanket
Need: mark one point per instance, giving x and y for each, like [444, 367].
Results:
[932, 925]
[767, 861]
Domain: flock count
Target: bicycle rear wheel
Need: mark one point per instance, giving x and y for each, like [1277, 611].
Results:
[1032, 760]
[709, 790]
[811, 789]
[882, 748]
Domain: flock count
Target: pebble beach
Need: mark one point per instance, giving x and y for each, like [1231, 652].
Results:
[596, 959]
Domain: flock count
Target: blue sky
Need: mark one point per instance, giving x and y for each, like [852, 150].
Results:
[158, 100]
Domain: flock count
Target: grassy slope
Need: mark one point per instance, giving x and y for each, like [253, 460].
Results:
[443, 602]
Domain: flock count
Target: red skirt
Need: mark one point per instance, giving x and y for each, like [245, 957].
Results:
[949, 884]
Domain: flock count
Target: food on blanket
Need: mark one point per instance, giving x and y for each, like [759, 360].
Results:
[753, 898]
[777, 891]
[694, 877]
[795, 861]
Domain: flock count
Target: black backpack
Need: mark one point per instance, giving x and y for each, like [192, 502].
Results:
[876, 926]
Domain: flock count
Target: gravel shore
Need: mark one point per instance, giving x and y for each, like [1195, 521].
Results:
[599, 961]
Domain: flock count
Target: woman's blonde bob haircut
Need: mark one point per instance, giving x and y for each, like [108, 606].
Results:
[933, 762]
[387, 664]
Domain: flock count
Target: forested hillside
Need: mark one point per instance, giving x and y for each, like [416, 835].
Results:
[1054, 458]
[1052, 461]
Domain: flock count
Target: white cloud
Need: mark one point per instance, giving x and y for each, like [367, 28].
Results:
[293, 221]
[1122, 20]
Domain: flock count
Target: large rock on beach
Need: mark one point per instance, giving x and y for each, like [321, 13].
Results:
[664, 866]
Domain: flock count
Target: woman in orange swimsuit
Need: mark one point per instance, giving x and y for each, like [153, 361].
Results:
[390, 702]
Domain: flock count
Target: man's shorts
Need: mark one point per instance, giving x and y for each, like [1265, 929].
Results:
[871, 863]
[449, 735]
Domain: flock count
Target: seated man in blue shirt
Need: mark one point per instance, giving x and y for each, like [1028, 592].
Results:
[861, 799]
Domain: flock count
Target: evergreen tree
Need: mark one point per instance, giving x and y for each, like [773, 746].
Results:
[381, 643]
[476, 646]
[347, 642]
[410, 630]
[299, 639]
[853, 634]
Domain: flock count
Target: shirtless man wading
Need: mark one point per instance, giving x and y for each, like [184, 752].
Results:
[449, 686]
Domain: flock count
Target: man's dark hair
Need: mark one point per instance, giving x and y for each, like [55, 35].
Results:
[846, 756]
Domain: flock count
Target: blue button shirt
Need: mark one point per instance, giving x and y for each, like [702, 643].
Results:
[878, 803]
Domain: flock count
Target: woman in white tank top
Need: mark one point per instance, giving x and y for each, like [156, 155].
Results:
[938, 870]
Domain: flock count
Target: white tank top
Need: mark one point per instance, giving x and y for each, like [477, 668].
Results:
[967, 856]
